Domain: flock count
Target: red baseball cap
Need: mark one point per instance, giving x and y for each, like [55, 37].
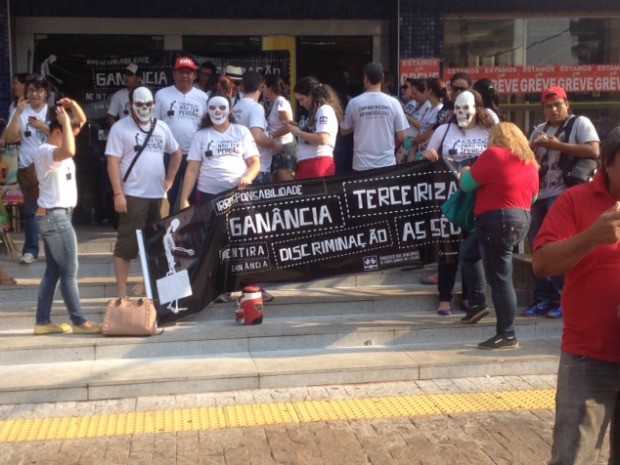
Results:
[553, 93]
[185, 62]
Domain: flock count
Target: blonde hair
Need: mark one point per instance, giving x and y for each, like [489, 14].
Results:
[509, 136]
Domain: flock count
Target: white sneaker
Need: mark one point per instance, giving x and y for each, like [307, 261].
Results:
[28, 258]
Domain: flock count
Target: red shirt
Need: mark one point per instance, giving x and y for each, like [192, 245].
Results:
[505, 181]
[591, 296]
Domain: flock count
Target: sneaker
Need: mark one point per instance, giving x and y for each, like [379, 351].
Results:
[475, 314]
[223, 298]
[267, 297]
[540, 307]
[28, 258]
[87, 327]
[555, 312]
[499, 342]
[51, 328]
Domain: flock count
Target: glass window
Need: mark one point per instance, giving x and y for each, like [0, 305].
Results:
[529, 41]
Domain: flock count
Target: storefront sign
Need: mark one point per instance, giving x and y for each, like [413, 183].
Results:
[535, 79]
[418, 68]
[299, 231]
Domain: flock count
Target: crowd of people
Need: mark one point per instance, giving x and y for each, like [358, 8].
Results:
[207, 133]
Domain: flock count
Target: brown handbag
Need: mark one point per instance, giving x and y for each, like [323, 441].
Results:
[126, 317]
[29, 182]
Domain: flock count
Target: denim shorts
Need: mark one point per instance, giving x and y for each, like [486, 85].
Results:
[283, 161]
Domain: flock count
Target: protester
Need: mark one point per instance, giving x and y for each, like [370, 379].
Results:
[223, 154]
[549, 140]
[119, 103]
[461, 142]
[205, 72]
[316, 138]
[376, 121]
[57, 198]
[280, 112]
[182, 107]
[251, 114]
[235, 75]
[414, 90]
[137, 175]
[18, 87]
[490, 98]
[459, 82]
[505, 178]
[28, 126]
[580, 237]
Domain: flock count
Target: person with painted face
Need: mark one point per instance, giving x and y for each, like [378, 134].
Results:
[505, 178]
[28, 126]
[223, 154]
[182, 106]
[462, 143]
[135, 152]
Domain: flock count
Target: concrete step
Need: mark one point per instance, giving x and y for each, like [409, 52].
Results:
[95, 265]
[116, 378]
[372, 323]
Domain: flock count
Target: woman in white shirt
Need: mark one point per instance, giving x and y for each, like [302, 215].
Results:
[317, 137]
[222, 154]
[278, 114]
[58, 196]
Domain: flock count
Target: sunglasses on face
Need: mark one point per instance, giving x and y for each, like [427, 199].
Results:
[221, 107]
[144, 104]
[458, 89]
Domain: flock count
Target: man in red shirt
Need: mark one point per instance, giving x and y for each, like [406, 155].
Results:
[581, 238]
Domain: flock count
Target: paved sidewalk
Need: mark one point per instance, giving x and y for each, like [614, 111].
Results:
[519, 436]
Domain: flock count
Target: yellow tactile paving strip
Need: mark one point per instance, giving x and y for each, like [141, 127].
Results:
[236, 416]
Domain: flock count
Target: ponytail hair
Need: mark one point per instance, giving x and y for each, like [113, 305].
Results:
[274, 83]
[322, 94]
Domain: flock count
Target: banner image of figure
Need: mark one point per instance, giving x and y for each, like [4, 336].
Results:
[298, 231]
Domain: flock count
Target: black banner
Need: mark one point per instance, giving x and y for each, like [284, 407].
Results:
[300, 231]
[93, 81]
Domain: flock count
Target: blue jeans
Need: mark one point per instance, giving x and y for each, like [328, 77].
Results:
[586, 404]
[544, 288]
[499, 231]
[31, 235]
[473, 271]
[61, 263]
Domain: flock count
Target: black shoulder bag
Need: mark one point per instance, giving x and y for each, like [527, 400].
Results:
[140, 150]
[575, 170]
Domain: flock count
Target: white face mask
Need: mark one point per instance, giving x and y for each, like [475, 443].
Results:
[219, 109]
[142, 104]
[465, 108]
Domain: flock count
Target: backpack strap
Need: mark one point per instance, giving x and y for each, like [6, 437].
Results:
[135, 159]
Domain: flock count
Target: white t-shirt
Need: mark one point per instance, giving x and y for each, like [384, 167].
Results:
[430, 117]
[326, 122]
[274, 123]
[375, 118]
[227, 163]
[147, 177]
[552, 183]
[57, 186]
[461, 145]
[30, 138]
[182, 112]
[418, 115]
[119, 104]
[251, 114]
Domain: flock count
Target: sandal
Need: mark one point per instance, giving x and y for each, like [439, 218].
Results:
[8, 281]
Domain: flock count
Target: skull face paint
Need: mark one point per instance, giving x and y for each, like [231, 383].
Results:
[142, 104]
[219, 108]
[465, 109]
